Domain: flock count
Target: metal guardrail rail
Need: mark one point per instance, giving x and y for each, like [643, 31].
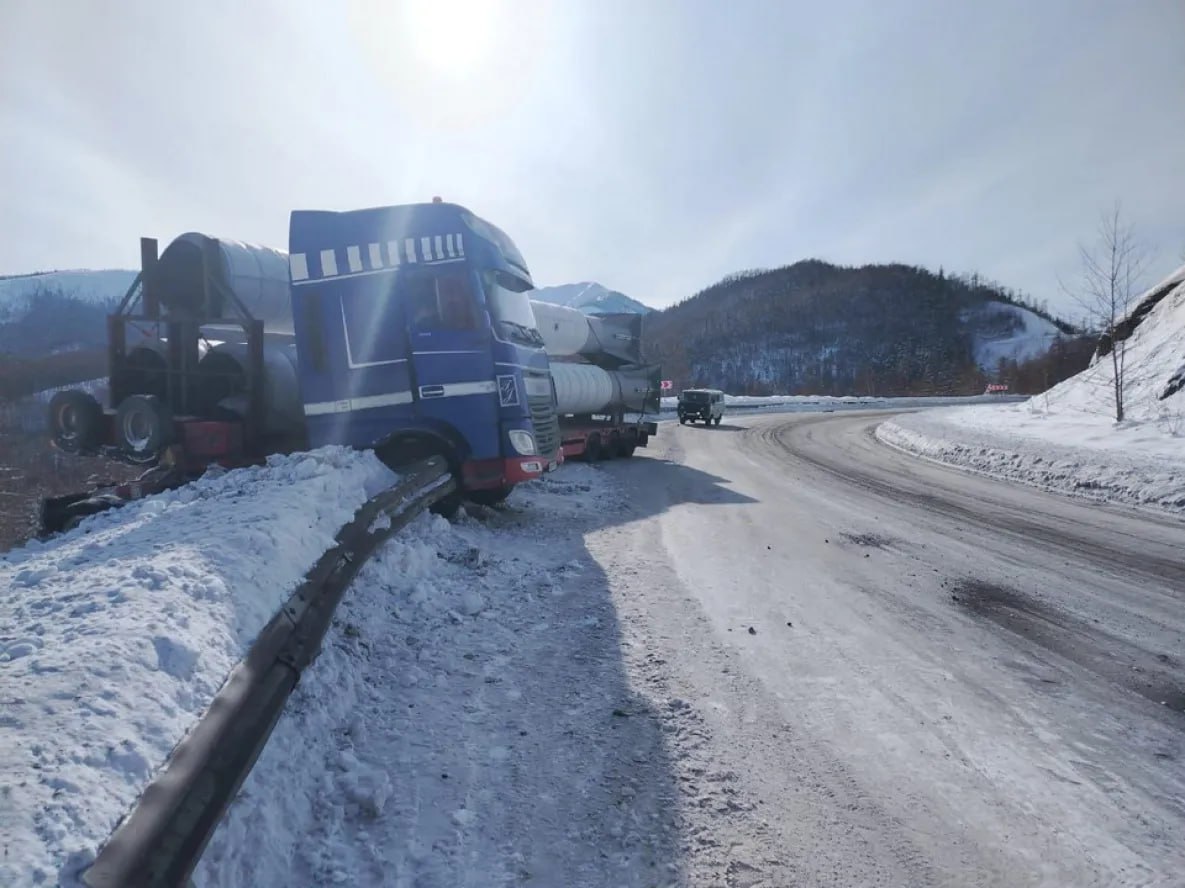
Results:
[162, 838]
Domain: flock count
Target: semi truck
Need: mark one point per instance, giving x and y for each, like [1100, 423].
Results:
[407, 330]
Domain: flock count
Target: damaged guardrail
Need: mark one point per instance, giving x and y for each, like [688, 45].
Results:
[162, 838]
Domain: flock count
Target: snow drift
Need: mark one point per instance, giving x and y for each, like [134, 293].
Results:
[117, 636]
[1067, 439]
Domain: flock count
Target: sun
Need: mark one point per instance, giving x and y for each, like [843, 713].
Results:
[454, 39]
[450, 64]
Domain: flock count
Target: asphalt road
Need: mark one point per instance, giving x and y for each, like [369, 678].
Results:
[894, 673]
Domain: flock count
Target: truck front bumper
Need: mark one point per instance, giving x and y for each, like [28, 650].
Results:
[485, 474]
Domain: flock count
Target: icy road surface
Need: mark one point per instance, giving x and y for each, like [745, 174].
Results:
[772, 653]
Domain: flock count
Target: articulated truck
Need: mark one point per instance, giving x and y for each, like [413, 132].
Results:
[408, 330]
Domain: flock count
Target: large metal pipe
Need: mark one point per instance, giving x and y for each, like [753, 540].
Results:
[146, 369]
[585, 388]
[222, 385]
[606, 340]
[201, 277]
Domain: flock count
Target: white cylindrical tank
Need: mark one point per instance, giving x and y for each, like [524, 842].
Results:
[583, 388]
[609, 341]
[197, 274]
[222, 372]
[564, 330]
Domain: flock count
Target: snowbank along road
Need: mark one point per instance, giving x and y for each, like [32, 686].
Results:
[772, 653]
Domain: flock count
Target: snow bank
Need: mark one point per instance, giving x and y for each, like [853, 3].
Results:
[459, 727]
[1079, 454]
[1067, 439]
[116, 636]
[1155, 354]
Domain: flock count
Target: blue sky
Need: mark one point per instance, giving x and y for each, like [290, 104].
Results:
[653, 146]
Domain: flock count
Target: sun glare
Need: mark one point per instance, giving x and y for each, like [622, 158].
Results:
[450, 63]
[455, 39]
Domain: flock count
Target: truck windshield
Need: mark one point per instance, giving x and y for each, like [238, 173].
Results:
[510, 307]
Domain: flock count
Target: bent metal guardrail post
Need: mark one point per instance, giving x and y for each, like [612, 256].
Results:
[161, 839]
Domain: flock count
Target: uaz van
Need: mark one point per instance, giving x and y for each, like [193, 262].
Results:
[703, 404]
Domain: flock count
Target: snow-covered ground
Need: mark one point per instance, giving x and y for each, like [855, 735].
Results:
[1139, 463]
[468, 722]
[116, 636]
[1067, 439]
[101, 287]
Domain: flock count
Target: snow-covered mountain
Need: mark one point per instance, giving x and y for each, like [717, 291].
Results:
[1001, 331]
[1154, 360]
[58, 311]
[818, 328]
[591, 298]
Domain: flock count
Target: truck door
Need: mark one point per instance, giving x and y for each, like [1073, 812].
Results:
[452, 372]
[354, 367]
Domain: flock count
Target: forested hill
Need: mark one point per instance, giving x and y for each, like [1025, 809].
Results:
[813, 327]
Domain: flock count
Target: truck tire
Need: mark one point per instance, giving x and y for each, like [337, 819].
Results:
[592, 449]
[402, 452]
[682, 420]
[143, 427]
[611, 450]
[627, 446]
[718, 420]
[75, 421]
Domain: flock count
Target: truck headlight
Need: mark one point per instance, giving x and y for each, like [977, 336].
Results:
[522, 442]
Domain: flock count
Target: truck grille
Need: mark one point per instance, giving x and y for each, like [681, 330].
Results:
[547, 427]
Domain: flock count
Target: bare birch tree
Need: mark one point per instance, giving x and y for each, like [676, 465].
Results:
[1113, 268]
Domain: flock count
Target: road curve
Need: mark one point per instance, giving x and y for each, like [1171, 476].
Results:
[912, 674]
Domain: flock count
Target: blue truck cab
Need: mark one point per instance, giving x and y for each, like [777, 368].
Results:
[416, 337]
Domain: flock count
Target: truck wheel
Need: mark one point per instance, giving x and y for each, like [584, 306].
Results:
[627, 446]
[682, 420]
[592, 449]
[399, 453]
[490, 497]
[75, 421]
[613, 448]
[718, 419]
[143, 427]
